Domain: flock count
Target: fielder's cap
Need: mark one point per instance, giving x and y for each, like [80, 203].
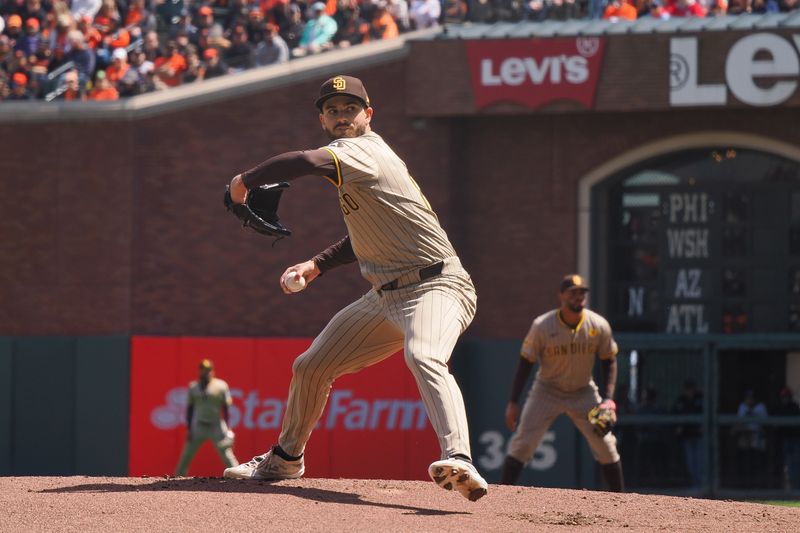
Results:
[573, 281]
[347, 85]
[206, 365]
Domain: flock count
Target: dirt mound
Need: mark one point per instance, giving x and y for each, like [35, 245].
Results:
[90, 504]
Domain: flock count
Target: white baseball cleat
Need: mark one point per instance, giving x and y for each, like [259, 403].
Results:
[268, 467]
[459, 475]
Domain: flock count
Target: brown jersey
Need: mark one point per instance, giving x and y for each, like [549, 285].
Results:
[566, 356]
[392, 228]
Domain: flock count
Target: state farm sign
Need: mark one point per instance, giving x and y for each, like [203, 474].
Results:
[760, 70]
[535, 72]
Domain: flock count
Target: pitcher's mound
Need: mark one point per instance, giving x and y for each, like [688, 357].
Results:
[101, 504]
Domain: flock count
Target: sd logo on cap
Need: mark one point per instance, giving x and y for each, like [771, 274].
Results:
[338, 85]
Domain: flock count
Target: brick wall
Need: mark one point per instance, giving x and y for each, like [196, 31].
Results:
[118, 227]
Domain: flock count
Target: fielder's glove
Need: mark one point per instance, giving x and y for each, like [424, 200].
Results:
[260, 210]
[603, 417]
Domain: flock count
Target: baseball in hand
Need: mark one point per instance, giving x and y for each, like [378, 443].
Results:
[295, 283]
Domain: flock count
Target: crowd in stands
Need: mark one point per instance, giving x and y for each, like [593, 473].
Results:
[108, 49]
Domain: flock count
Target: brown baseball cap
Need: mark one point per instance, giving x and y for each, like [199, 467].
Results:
[573, 281]
[347, 85]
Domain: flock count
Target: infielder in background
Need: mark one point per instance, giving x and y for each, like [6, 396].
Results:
[421, 299]
[208, 397]
[564, 342]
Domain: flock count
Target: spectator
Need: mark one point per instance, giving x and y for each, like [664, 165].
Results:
[255, 26]
[119, 67]
[237, 13]
[318, 32]
[107, 19]
[240, 53]
[399, 10]
[205, 17]
[563, 10]
[690, 402]
[536, 10]
[509, 10]
[683, 8]
[85, 8]
[293, 28]
[619, 10]
[83, 58]
[764, 6]
[152, 48]
[424, 13]
[214, 65]
[182, 40]
[138, 15]
[482, 11]
[131, 83]
[19, 87]
[5, 90]
[73, 88]
[195, 70]
[383, 25]
[272, 49]
[14, 29]
[91, 35]
[353, 31]
[216, 38]
[718, 8]
[169, 67]
[103, 90]
[750, 440]
[455, 11]
[34, 9]
[139, 61]
[789, 439]
[59, 38]
[788, 5]
[29, 43]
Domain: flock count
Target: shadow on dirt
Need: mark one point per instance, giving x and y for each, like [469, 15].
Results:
[236, 485]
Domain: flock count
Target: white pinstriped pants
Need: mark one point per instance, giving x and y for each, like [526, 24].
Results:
[425, 319]
[543, 405]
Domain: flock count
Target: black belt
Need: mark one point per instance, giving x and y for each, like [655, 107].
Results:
[424, 273]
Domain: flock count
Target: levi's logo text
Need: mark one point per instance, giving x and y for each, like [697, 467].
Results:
[535, 72]
[339, 83]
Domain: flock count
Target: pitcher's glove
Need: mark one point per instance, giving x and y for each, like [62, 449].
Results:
[260, 210]
[603, 417]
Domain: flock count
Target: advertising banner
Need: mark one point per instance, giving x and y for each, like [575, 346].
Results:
[535, 72]
[374, 425]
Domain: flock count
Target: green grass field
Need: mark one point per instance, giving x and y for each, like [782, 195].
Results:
[784, 503]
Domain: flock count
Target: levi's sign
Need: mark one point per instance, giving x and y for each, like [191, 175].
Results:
[535, 72]
[761, 69]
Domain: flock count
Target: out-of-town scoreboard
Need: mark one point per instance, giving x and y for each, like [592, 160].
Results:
[703, 241]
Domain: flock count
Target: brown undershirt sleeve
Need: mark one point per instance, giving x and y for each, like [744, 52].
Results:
[291, 165]
[337, 254]
[524, 368]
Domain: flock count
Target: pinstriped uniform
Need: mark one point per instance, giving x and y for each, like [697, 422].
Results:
[394, 233]
[564, 381]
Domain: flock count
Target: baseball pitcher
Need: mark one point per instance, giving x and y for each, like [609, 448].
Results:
[421, 298]
[565, 342]
[208, 396]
